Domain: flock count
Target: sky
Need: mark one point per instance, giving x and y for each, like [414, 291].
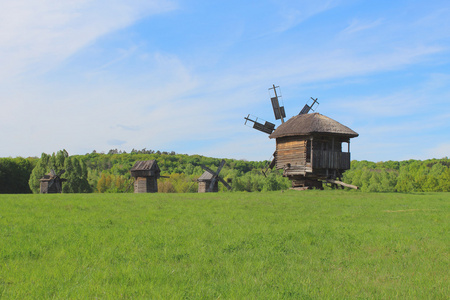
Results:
[181, 75]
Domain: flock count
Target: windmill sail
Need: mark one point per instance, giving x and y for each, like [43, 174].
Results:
[307, 107]
[277, 109]
[265, 127]
[212, 177]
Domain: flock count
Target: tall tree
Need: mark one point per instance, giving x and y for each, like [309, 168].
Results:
[76, 178]
[41, 168]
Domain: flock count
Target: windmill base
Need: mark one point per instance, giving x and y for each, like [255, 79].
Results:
[204, 185]
[146, 185]
[302, 183]
[306, 184]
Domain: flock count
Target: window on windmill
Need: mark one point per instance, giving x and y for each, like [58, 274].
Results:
[348, 146]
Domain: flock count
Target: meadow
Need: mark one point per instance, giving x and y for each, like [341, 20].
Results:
[272, 245]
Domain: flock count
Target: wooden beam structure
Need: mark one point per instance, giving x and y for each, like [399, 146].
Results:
[342, 183]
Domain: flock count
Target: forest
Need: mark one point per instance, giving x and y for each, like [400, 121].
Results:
[110, 173]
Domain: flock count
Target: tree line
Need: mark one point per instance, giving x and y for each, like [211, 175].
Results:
[110, 173]
[432, 175]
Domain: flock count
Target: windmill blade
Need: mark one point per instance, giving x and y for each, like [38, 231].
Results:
[265, 127]
[213, 182]
[216, 176]
[50, 184]
[213, 179]
[277, 109]
[222, 163]
[61, 172]
[270, 166]
[272, 163]
[305, 110]
[224, 183]
[211, 171]
[58, 187]
[207, 169]
[307, 107]
[52, 172]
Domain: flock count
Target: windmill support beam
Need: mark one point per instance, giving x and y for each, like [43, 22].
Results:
[342, 183]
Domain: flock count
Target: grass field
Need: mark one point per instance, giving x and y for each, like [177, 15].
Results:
[299, 245]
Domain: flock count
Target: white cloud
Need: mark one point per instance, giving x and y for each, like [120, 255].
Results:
[291, 13]
[140, 96]
[357, 26]
[37, 35]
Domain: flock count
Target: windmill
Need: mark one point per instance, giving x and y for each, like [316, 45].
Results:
[280, 114]
[52, 182]
[146, 174]
[308, 146]
[208, 182]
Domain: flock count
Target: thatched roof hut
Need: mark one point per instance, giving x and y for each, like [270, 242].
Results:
[309, 148]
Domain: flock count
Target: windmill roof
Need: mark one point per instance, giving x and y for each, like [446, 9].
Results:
[206, 176]
[307, 124]
[145, 165]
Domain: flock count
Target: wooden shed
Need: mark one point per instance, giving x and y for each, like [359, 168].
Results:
[146, 174]
[311, 148]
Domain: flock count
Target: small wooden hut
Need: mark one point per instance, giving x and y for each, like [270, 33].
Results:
[146, 174]
[311, 148]
[51, 184]
[204, 182]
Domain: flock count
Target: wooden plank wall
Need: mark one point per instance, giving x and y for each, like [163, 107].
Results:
[331, 160]
[291, 150]
[43, 187]
[204, 185]
[146, 185]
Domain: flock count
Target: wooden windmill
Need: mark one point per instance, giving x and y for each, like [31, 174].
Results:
[209, 181]
[146, 174]
[52, 182]
[308, 146]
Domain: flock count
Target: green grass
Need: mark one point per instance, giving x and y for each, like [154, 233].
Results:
[299, 245]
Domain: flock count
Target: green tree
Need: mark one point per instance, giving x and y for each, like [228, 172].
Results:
[270, 183]
[14, 175]
[75, 172]
[41, 168]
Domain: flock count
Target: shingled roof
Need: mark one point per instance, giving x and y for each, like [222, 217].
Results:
[206, 176]
[145, 165]
[307, 124]
[146, 168]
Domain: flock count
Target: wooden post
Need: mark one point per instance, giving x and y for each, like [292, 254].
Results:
[332, 153]
[312, 157]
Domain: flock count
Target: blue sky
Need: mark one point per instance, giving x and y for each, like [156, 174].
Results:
[182, 75]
